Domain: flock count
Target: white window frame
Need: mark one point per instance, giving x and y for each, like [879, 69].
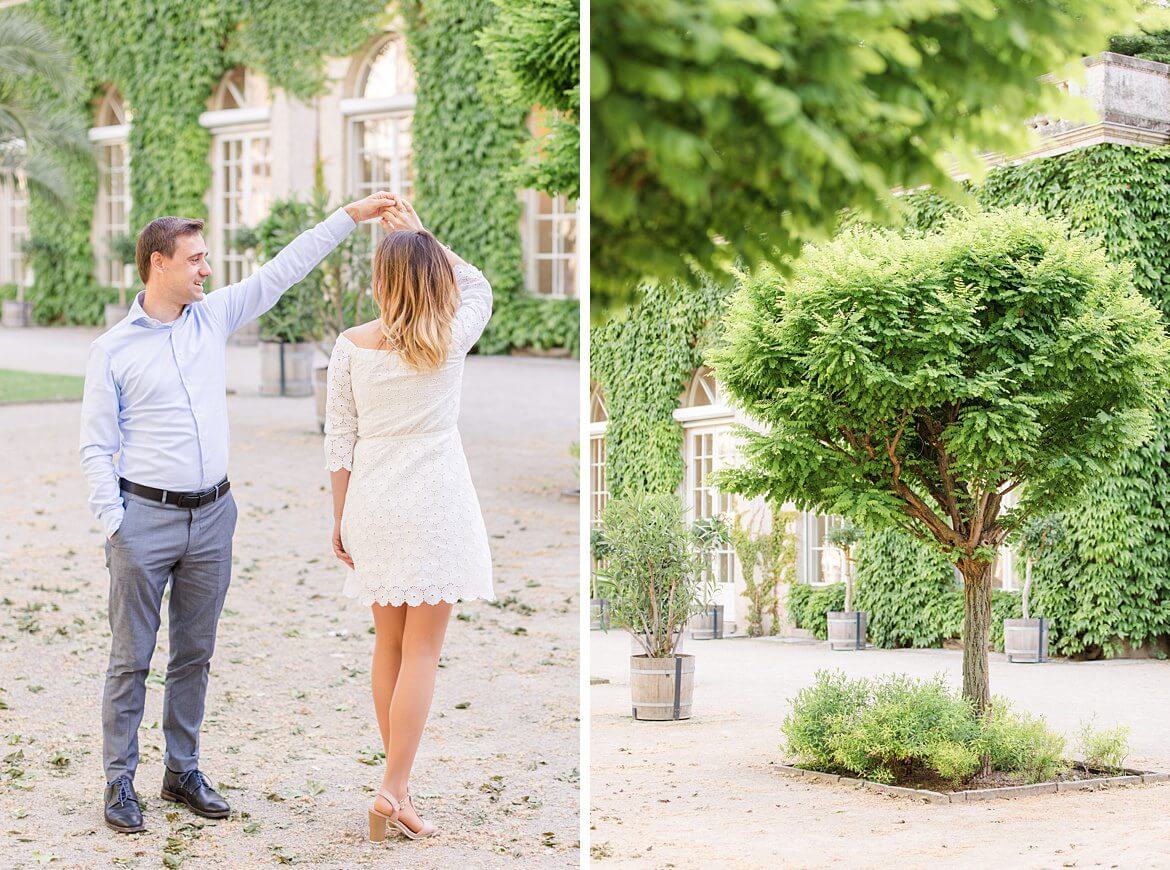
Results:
[398, 112]
[813, 547]
[111, 134]
[230, 264]
[598, 488]
[14, 266]
[703, 413]
[563, 255]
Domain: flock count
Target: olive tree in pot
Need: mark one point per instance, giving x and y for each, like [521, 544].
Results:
[913, 382]
[1026, 639]
[654, 569]
[709, 534]
[598, 582]
[846, 628]
[330, 299]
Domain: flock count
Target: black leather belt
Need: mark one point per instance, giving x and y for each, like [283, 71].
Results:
[178, 499]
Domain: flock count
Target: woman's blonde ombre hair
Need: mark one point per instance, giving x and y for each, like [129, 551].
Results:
[415, 289]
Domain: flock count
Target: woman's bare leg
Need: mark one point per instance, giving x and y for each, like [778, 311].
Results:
[422, 640]
[388, 625]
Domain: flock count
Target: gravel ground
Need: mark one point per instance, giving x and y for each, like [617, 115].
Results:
[705, 791]
[289, 735]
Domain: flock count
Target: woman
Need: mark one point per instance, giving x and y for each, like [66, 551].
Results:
[406, 518]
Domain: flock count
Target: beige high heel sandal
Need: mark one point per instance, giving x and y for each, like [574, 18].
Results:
[380, 823]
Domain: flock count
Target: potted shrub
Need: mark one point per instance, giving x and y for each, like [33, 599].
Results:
[846, 627]
[598, 604]
[1026, 640]
[654, 569]
[709, 534]
[330, 299]
[288, 330]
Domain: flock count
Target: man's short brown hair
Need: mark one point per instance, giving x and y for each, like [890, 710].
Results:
[160, 235]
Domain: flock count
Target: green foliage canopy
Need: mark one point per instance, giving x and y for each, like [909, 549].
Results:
[913, 382]
[725, 130]
[533, 48]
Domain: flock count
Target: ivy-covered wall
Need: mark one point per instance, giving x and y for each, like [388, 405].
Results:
[642, 365]
[169, 55]
[166, 57]
[1106, 584]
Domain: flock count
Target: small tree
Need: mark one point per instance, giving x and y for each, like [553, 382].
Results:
[1032, 540]
[844, 537]
[654, 569]
[748, 549]
[915, 382]
[778, 559]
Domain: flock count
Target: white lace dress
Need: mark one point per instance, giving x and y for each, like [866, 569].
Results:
[411, 520]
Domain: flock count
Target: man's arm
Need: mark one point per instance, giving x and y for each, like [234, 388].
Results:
[246, 300]
[101, 439]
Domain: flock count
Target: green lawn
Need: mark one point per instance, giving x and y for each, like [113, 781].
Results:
[18, 387]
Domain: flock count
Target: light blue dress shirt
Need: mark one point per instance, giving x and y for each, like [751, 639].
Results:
[154, 409]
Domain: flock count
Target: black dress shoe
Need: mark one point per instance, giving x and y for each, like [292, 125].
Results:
[122, 811]
[194, 789]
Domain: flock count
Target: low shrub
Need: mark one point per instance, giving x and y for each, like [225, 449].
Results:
[807, 606]
[1021, 743]
[893, 729]
[1103, 748]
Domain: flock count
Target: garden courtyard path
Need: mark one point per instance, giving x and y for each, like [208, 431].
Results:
[705, 792]
[289, 734]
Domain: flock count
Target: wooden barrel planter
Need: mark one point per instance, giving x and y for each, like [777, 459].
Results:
[286, 368]
[846, 629]
[598, 614]
[321, 394]
[662, 689]
[16, 313]
[708, 624]
[1026, 640]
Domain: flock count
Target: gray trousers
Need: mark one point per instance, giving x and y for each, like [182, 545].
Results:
[193, 550]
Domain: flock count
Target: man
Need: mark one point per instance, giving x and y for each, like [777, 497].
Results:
[155, 395]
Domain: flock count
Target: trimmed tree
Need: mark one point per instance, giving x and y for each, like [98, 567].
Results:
[915, 382]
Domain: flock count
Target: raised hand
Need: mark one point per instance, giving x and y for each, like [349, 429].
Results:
[371, 207]
[400, 215]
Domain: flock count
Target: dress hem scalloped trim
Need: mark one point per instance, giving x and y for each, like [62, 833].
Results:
[397, 600]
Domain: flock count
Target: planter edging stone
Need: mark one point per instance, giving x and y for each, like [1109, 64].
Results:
[1130, 777]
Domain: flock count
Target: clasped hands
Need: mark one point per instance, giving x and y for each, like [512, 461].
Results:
[395, 212]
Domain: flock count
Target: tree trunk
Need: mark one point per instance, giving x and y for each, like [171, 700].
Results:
[848, 584]
[1027, 589]
[976, 632]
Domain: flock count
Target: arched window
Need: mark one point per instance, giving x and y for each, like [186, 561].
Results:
[708, 445]
[598, 421]
[241, 157]
[378, 116]
[110, 135]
